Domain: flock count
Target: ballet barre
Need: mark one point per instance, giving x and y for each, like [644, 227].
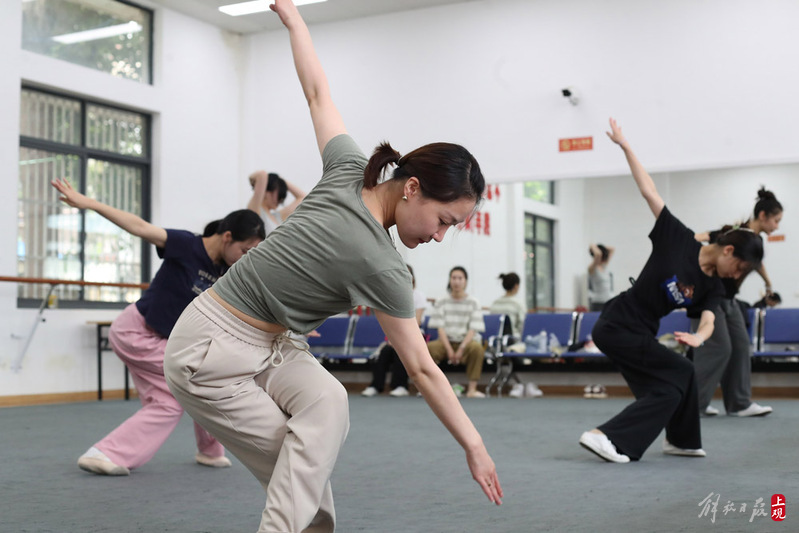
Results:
[46, 303]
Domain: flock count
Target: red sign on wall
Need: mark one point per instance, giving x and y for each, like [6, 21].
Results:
[576, 143]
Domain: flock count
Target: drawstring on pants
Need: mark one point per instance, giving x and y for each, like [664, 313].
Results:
[279, 340]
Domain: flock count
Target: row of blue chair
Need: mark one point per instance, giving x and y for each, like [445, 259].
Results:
[356, 337]
[344, 338]
[772, 333]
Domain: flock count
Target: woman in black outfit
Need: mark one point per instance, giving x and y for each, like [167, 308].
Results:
[680, 272]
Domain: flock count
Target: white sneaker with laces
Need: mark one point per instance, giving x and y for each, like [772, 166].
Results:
[369, 392]
[711, 411]
[671, 449]
[399, 392]
[600, 444]
[517, 391]
[754, 410]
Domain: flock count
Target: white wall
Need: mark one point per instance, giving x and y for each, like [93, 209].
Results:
[702, 84]
[196, 110]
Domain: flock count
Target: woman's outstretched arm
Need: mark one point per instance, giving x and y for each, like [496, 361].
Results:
[641, 176]
[404, 335]
[327, 121]
[127, 221]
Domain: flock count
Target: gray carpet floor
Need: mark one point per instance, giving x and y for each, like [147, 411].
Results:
[400, 471]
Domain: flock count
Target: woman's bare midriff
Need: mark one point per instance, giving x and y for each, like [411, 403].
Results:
[254, 322]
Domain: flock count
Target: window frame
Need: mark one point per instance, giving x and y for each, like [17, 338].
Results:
[531, 262]
[84, 153]
[551, 186]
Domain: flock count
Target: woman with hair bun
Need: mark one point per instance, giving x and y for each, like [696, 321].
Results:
[600, 280]
[269, 191]
[724, 359]
[509, 305]
[233, 366]
[680, 272]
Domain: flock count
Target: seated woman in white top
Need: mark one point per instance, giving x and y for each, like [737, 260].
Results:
[459, 320]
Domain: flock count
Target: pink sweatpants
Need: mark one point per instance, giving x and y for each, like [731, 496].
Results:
[138, 438]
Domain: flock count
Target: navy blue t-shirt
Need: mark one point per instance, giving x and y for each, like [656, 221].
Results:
[671, 279]
[186, 272]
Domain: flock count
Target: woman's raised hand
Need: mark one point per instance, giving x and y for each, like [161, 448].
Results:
[69, 195]
[615, 133]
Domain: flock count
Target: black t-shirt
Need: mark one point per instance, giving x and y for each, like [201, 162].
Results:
[671, 279]
[185, 273]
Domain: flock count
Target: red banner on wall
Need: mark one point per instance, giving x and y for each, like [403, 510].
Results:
[576, 143]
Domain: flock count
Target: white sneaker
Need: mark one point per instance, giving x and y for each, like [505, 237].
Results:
[754, 410]
[588, 391]
[711, 411]
[600, 444]
[399, 392]
[531, 390]
[213, 462]
[97, 462]
[517, 391]
[671, 449]
[599, 392]
[369, 392]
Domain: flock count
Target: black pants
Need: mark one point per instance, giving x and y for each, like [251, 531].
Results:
[664, 385]
[388, 358]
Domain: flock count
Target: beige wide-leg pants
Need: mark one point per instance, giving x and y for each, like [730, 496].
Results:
[269, 402]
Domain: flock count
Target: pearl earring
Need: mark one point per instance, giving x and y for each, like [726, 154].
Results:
[404, 197]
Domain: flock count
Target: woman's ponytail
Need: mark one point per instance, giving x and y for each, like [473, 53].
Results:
[383, 156]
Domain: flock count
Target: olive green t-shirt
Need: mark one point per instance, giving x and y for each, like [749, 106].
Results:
[329, 256]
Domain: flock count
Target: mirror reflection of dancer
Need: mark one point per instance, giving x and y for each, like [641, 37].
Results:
[138, 335]
[680, 272]
[600, 280]
[268, 194]
[229, 359]
[725, 357]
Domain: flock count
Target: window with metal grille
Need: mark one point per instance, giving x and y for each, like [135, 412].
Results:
[103, 152]
[540, 262]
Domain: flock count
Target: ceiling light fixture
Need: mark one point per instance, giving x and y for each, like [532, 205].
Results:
[257, 6]
[98, 33]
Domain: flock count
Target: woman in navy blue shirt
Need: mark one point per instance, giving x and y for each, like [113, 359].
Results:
[138, 336]
[680, 273]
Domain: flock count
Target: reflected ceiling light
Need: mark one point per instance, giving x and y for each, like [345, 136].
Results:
[98, 33]
[257, 6]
